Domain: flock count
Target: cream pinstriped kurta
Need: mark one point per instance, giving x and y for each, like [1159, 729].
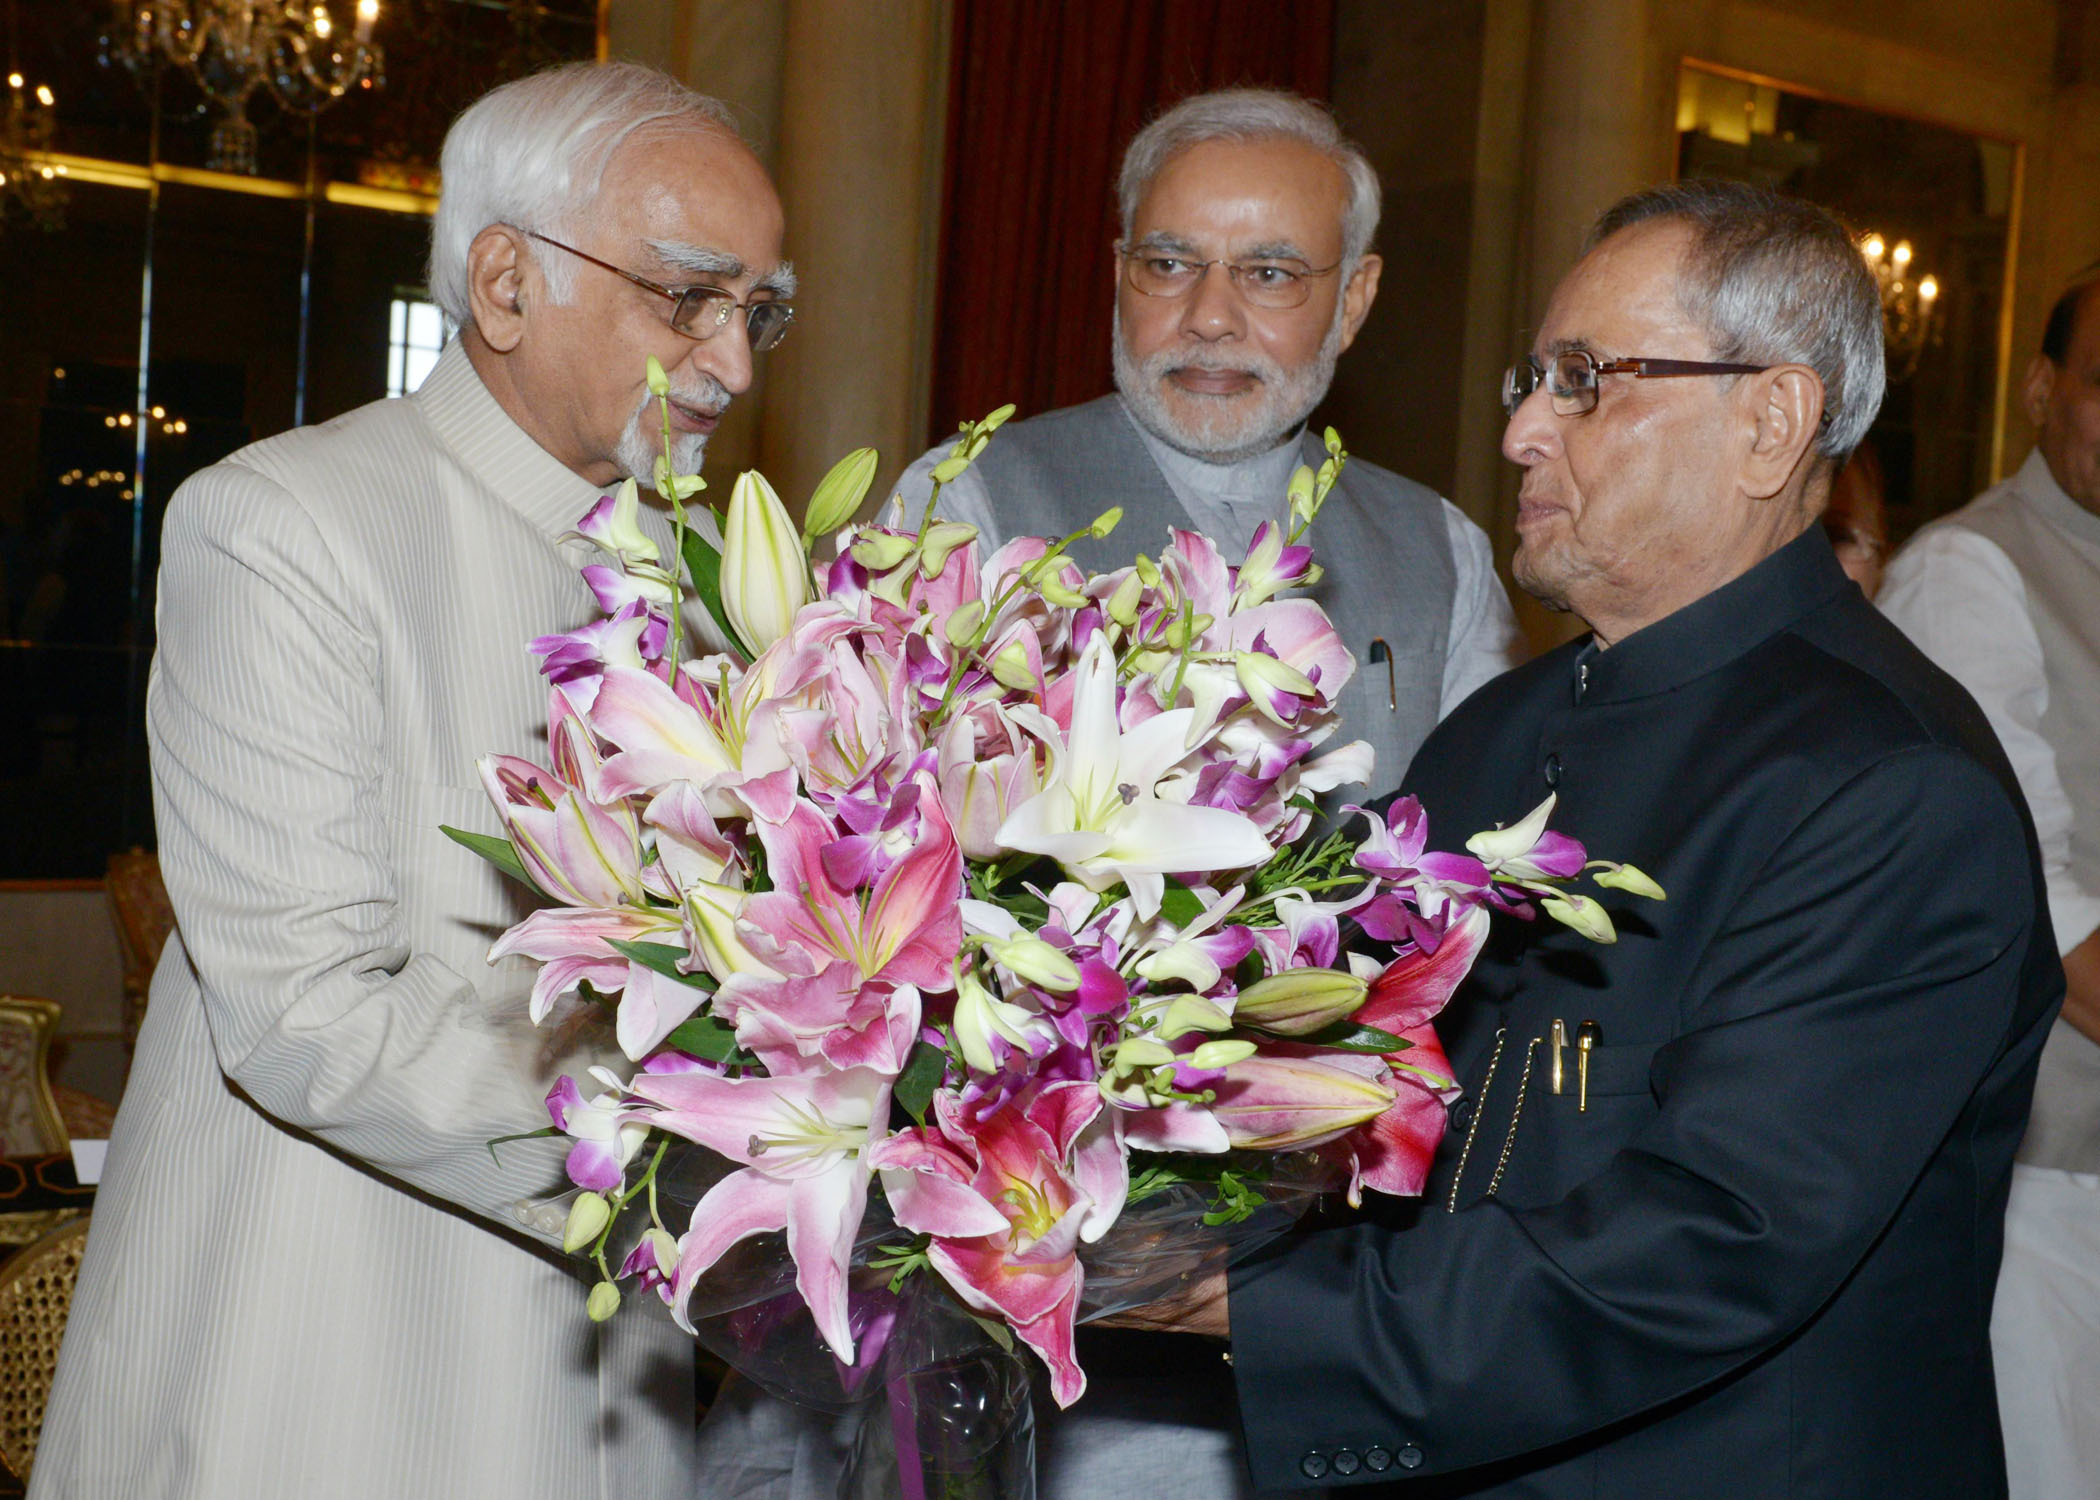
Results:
[296, 1284]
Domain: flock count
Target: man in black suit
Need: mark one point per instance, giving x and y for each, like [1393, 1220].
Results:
[1743, 1244]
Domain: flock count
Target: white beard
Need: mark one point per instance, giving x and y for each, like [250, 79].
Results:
[1219, 433]
[643, 442]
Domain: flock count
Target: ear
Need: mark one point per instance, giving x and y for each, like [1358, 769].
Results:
[499, 266]
[1787, 415]
[2038, 387]
[1358, 296]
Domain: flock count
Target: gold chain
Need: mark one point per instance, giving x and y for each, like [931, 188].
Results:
[1509, 1141]
[1473, 1129]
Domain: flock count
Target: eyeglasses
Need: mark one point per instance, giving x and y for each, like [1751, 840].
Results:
[701, 312]
[1269, 282]
[1571, 378]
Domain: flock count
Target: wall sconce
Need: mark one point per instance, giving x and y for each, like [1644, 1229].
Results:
[1908, 302]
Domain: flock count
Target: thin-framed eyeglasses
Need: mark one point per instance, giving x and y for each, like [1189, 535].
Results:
[1571, 378]
[701, 312]
[1275, 282]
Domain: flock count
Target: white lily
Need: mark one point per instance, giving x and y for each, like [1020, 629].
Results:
[1101, 815]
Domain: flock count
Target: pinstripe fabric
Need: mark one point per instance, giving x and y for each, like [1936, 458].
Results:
[306, 1276]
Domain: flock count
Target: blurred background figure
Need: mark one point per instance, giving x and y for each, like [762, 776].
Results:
[1856, 520]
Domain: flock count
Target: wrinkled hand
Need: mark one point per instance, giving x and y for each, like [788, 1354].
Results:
[1197, 1306]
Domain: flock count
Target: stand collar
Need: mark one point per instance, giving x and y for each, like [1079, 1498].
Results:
[497, 451]
[1715, 630]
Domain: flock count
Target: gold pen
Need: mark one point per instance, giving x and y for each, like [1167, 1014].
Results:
[1560, 1040]
[1587, 1035]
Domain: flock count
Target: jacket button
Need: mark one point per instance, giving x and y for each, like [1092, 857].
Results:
[1313, 1465]
[1461, 1111]
[1378, 1460]
[1410, 1457]
[1346, 1462]
[1553, 770]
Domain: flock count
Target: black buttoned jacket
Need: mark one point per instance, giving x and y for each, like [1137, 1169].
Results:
[1760, 1263]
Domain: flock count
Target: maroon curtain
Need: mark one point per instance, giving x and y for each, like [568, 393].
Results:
[1043, 97]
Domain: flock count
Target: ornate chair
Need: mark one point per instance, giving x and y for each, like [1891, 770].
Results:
[29, 1120]
[36, 1291]
[139, 901]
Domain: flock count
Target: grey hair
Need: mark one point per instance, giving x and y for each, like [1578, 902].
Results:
[532, 154]
[1775, 281]
[1254, 115]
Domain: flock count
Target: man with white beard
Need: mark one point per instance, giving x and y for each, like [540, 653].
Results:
[1243, 273]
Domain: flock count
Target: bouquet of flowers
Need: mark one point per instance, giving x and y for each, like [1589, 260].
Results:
[996, 886]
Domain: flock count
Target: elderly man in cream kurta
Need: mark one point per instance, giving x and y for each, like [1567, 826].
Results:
[308, 1276]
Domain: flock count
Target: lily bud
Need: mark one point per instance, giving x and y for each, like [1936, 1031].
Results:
[1037, 962]
[949, 468]
[1010, 668]
[1333, 441]
[1298, 1002]
[838, 495]
[1583, 914]
[961, 628]
[603, 1302]
[659, 382]
[880, 551]
[588, 1216]
[1281, 1103]
[1148, 570]
[1142, 1052]
[1106, 522]
[1627, 878]
[1221, 1054]
[1123, 603]
[765, 574]
[1194, 1013]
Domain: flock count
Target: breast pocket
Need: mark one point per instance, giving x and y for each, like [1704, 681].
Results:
[1560, 1143]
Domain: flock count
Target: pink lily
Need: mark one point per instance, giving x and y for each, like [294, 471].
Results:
[805, 1142]
[1008, 1198]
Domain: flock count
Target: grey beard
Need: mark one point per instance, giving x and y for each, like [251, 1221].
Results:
[643, 442]
[1287, 397]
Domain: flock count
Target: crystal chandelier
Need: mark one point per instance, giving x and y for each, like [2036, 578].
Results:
[291, 49]
[26, 180]
[1907, 302]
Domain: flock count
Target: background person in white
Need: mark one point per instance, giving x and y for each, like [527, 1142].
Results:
[2005, 595]
[1217, 389]
[306, 1276]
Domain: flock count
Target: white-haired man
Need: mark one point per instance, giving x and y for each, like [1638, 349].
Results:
[1244, 271]
[307, 1275]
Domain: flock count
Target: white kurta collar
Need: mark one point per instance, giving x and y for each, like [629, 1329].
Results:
[500, 453]
[2040, 489]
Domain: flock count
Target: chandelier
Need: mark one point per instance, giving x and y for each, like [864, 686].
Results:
[27, 179]
[293, 50]
[1907, 303]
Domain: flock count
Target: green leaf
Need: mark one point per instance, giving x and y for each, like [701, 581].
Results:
[996, 1331]
[1180, 905]
[497, 851]
[703, 565]
[704, 1036]
[661, 958]
[922, 1074]
[1348, 1036]
[1237, 1199]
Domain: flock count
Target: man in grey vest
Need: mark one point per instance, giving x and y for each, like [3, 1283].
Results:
[2005, 594]
[1243, 273]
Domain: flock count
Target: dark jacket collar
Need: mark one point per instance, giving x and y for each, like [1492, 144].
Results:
[1713, 631]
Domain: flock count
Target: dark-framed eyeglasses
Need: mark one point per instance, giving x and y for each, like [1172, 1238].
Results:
[1275, 282]
[1571, 378]
[701, 312]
